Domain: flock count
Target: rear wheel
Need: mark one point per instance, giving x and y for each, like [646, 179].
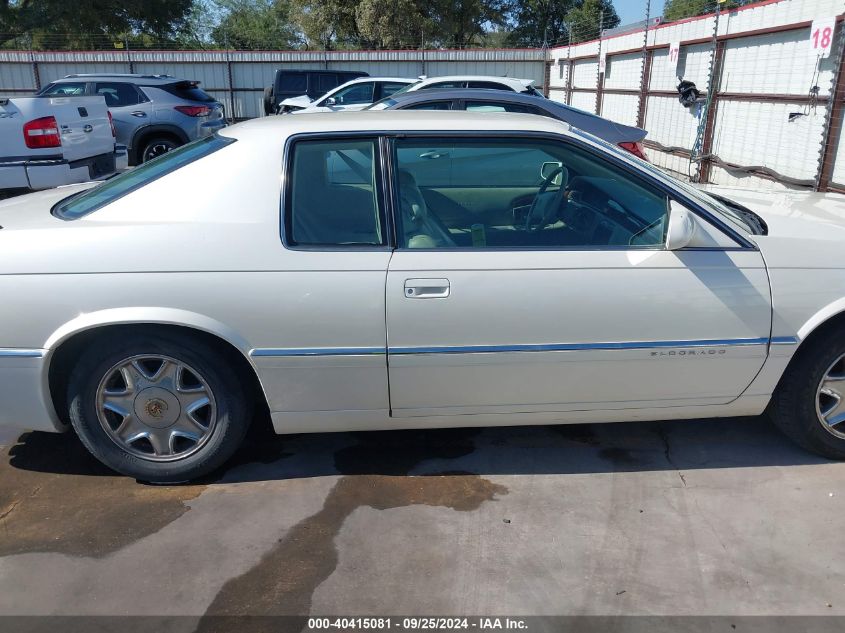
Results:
[809, 405]
[158, 408]
[157, 146]
[269, 106]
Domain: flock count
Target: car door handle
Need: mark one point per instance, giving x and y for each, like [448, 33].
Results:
[427, 288]
[139, 113]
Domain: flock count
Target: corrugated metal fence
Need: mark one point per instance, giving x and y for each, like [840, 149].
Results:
[766, 125]
[238, 78]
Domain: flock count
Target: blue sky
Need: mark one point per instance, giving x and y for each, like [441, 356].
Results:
[634, 10]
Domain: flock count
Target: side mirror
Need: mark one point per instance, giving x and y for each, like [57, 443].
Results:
[331, 101]
[548, 168]
[681, 227]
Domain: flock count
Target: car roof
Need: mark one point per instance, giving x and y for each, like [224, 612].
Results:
[359, 80]
[516, 83]
[146, 80]
[587, 121]
[479, 94]
[271, 129]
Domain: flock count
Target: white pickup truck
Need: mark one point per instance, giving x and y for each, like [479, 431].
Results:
[50, 141]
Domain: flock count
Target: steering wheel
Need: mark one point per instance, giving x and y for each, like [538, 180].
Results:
[546, 206]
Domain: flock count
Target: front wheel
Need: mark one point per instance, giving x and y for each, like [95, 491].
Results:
[809, 405]
[156, 407]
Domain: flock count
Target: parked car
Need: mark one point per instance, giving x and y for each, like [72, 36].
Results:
[524, 86]
[153, 114]
[303, 83]
[51, 141]
[522, 272]
[625, 136]
[353, 95]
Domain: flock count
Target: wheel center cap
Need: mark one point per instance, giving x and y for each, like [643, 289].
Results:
[157, 407]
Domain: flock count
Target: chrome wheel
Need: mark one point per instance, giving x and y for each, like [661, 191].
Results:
[156, 407]
[830, 398]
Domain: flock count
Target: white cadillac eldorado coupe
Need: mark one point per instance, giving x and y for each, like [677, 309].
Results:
[395, 270]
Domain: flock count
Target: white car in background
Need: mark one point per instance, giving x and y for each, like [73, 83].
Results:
[411, 270]
[522, 86]
[353, 95]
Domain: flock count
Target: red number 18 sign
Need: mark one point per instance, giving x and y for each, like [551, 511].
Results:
[821, 36]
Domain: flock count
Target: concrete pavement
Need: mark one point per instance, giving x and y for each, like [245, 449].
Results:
[678, 518]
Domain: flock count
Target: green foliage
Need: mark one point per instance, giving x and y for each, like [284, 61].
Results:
[76, 23]
[255, 25]
[317, 24]
[391, 23]
[588, 19]
[679, 9]
[539, 21]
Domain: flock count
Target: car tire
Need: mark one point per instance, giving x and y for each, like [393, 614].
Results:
[801, 401]
[166, 424]
[269, 106]
[156, 147]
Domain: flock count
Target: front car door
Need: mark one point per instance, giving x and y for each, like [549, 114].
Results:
[355, 97]
[531, 275]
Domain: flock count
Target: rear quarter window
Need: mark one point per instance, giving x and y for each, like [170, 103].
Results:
[188, 91]
[88, 201]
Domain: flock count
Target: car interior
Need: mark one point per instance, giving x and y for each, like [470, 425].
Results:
[473, 193]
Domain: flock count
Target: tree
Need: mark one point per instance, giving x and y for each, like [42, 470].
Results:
[391, 23]
[588, 19]
[536, 22]
[464, 22]
[255, 24]
[679, 9]
[328, 24]
[92, 22]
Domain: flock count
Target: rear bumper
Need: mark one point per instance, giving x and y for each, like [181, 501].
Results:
[54, 172]
[24, 394]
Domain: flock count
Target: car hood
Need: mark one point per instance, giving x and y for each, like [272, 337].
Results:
[32, 210]
[297, 102]
[805, 228]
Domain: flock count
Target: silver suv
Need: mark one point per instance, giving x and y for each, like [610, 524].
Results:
[152, 113]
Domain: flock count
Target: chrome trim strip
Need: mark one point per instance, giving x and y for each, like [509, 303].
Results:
[317, 351]
[17, 352]
[565, 347]
[486, 349]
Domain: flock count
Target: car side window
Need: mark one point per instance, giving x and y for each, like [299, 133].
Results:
[496, 106]
[389, 87]
[333, 196]
[488, 85]
[65, 90]
[355, 94]
[521, 193]
[326, 82]
[118, 94]
[430, 105]
[444, 84]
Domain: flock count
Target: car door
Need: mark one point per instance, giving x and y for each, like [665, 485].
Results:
[387, 88]
[329, 354]
[564, 298]
[129, 108]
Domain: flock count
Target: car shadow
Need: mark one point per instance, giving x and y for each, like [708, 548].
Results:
[564, 449]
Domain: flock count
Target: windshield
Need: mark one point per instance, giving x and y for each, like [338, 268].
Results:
[90, 200]
[693, 192]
